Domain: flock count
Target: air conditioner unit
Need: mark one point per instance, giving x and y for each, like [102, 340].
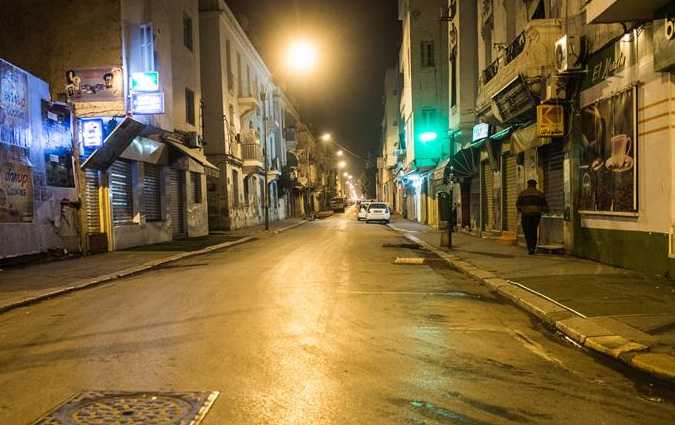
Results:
[193, 140]
[568, 54]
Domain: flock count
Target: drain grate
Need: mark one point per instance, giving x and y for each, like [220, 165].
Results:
[132, 408]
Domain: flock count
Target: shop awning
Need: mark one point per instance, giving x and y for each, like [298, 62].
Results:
[526, 138]
[502, 134]
[113, 146]
[192, 153]
[465, 163]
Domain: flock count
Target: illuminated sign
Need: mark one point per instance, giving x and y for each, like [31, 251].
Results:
[147, 103]
[428, 136]
[92, 133]
[481, 131]
[550, 121]
[145, 81]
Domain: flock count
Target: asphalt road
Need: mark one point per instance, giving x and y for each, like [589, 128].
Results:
[316, 326]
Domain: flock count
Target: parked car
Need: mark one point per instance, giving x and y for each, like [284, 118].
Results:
[363, 211]
[378, 211]
[337, 204]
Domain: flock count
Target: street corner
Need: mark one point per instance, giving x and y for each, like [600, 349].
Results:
[613, 345]
[580, 328]
[658, 364]
[545, 310]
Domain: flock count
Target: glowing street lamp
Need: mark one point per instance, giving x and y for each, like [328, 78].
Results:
[339, 153]
[428, 136]
[301, 56]
[342, 164]
[346, 174]
[326, 137]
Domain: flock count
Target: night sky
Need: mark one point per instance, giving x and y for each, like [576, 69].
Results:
[357, 39]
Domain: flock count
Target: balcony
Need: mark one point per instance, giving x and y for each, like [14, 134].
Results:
[530, 54]
[252, 154]
[612, 11]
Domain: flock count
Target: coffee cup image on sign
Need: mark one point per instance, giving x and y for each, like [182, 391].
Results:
[620, 159]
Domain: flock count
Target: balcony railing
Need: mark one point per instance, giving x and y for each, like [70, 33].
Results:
[491, 70]
[252, 152]
[515, 48]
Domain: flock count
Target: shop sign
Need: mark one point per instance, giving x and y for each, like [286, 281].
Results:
[145, 81]
[94, 85]
[664, 44]
[481, 131]
[550, 121]
[514, 101]
[147, 103]
[92, 133]
[604, 63]
[609, 159]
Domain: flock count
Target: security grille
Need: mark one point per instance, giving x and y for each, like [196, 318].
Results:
[553, 157]
[91, 198]
[152, 198]
[510, 193]
[488, 200]
[121, 187]
[177, 196]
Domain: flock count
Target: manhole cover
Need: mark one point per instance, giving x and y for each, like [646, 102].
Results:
[132, 408]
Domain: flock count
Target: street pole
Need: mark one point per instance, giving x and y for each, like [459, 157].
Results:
[266, 194]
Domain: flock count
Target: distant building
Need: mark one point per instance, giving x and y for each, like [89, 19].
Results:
[390, 140]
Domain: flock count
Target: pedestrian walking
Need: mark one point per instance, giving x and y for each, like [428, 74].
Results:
[531, 203]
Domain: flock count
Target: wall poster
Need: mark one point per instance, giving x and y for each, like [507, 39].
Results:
[16, 185]
[608, 167]
[14, 117]
[58, 145]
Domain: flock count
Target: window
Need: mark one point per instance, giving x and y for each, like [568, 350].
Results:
[147, 48]
[427, 117]
[453, 80]
[189, 106]
[428, 59]
[187, 31]
[235, 188]
[228, 61]
[240, 86]
[152, 201]
[196, 179]
[247, 190]
[248, 81]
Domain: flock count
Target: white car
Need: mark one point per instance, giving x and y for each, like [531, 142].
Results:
[378, 211]
[363, 211]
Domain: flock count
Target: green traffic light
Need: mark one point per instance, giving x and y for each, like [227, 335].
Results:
[428, 136]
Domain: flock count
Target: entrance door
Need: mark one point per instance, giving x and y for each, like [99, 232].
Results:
[176, 191]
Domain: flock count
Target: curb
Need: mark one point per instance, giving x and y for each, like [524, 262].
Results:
[292, 226]
[120, 274]
[572, 324]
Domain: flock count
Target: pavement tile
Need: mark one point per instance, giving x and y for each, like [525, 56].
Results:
[613, 345]
[662, 365]
[579, 328]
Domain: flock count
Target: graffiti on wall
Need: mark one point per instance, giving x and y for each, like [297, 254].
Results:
[14, 117]
[58, 145]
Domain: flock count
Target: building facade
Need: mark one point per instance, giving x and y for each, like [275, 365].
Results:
[390, 140]
[130, 69]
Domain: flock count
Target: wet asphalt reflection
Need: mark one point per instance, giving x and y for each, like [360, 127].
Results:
[316, 326]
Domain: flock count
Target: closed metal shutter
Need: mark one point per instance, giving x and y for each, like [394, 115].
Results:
[488, 201]
[177, 196]
[475, 202]
[91, 198]
[152, 199]
[511, 193]
[553, 157]
[121, 188]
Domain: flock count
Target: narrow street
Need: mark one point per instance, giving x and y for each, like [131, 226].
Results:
[315, 326]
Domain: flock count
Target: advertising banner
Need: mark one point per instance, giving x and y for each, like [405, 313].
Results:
[14, 119]
[16, 186]
[58, 144]
[608, 174]
[94, 85]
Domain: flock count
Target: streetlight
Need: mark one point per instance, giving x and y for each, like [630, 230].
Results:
[326, 137]
[339, 153]
[342, 164]
[301, 56]
[346, 174]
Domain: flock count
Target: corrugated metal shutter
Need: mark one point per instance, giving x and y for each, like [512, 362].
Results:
[121, 187]
[475, 201]
[553, 157]
[152, 199]
[488, 202]
[511, 193]
[177, 196]
[91, 188]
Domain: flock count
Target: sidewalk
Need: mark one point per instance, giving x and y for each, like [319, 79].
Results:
[590, 302]
[23, 285]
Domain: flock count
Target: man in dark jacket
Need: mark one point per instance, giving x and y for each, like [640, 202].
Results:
[531, 203]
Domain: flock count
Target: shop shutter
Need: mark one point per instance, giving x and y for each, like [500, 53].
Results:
[121, 187]
[553, 157]
[511, 193]
[152, 199]
[475, 202]
[487, 197]
[177, 196]
[91, 188]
